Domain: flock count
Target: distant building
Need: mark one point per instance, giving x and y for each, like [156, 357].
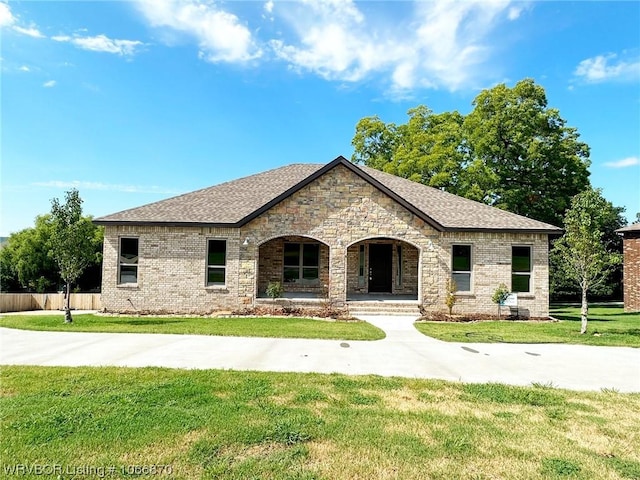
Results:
[631, 266]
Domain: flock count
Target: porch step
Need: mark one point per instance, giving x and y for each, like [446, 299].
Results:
[383, 308]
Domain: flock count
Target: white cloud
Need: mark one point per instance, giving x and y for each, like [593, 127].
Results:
[220, 34]
[101, 43]
[602, 68]
[268, 6]
[6, 17]
[625, 162]
[24, 68]
[49, 84]
[440, 45]
[32, 31]
[83, 185]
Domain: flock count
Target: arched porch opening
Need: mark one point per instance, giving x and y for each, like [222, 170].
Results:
[300, 264]
[382, 268]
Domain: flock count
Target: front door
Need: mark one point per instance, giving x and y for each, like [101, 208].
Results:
[380, 261]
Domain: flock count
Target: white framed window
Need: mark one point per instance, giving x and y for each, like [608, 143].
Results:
[301, 263]
[128, 260]
[216, 262]
[520, 269]
[461, 267]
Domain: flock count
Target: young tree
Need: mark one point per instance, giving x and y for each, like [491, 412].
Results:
[72, 241]
[564, 288]
[581, 253]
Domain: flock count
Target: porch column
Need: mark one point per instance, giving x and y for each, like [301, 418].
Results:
[338, 275]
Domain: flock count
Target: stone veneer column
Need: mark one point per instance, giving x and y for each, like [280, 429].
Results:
[338, 275]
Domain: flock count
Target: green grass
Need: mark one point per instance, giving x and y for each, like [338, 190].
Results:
[240, 326]
[608, 326]
[236, 425]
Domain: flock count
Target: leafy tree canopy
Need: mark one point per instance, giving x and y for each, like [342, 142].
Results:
[26, 262]
[512, 151]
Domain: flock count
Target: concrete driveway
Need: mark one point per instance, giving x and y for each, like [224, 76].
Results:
[404, 352]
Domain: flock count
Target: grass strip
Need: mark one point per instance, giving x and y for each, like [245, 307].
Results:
[239, 327]
[608, 326]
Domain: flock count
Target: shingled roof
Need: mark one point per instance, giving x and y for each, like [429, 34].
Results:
[235, 203]
[633, 228]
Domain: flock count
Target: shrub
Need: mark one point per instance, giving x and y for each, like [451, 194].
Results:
[274, 290]
[500, 294]
[450, 295]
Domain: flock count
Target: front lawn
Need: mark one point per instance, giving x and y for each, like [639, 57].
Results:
[239, 327]
[608, 326]
[231, 425]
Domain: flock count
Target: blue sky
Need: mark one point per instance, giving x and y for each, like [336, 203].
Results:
[133, 102]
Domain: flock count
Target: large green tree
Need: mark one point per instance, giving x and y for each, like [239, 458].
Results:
[430, 148]
[25, 263]
[537, 161]
[581, 253]
[512, 151]
[72, 241]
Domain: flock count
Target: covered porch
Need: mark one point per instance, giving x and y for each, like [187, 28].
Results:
[378, 271]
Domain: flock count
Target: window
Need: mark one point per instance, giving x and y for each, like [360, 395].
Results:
[461, 267]
[361, 258]
[301, 262]
[520, 269]
[216, 262]
[128, 261]
[399, 266]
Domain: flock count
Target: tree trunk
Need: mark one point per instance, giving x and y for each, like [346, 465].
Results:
[67, 305]
[584, 311]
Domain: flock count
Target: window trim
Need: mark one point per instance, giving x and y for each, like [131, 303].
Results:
[469, 272]
[529, 273]
[362, 268]
[301, 266]
[208, 266]
[121, 264]
[399, 266]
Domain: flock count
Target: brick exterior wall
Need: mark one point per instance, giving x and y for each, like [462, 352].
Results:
[631, 266]
[338, 210]
[171, 271]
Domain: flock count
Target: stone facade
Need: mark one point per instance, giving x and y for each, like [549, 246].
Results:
[340, 211]
[631, 265]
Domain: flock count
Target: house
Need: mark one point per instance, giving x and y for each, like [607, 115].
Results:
[348, 233]
[631, 266]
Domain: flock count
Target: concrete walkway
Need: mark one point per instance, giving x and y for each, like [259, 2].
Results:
[404, 352]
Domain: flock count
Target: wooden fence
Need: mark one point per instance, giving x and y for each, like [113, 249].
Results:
[20, 302]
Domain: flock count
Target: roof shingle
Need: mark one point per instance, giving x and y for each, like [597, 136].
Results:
[236, 202]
